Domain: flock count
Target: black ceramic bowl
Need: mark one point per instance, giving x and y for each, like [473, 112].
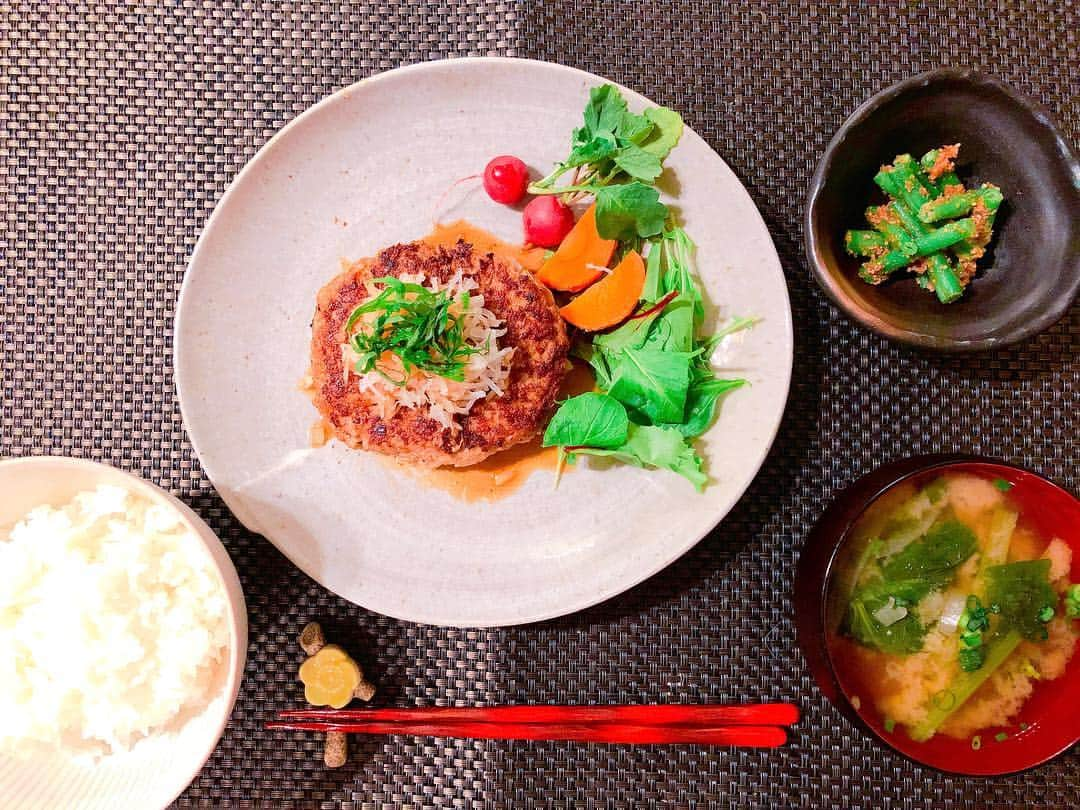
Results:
[1051, 715]
[1031, 272]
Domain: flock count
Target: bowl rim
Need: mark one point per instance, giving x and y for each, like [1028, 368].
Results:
[222, 563]
[1046, 317]
[890, 474]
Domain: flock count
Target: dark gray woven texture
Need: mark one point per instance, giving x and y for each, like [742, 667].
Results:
[121, 129]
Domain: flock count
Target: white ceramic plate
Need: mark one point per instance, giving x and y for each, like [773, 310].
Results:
[363, 169]
[157, 769]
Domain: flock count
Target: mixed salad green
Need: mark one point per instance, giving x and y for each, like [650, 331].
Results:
[657, 389]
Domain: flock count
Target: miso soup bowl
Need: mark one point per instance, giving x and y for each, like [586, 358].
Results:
[1050, 717]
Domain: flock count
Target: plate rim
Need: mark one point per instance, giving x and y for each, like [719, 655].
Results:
[184, 300]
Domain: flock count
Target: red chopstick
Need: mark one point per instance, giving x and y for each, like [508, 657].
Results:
[761, 714]
[752, 736]
[751, 725]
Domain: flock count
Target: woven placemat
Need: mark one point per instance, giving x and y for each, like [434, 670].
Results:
[122, 126]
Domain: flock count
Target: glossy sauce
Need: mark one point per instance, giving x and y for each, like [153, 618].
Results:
[499, 475]
[494, 477]
[320, 433]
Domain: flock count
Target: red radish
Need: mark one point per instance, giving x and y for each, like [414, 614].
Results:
[505, 179]
[547, 221]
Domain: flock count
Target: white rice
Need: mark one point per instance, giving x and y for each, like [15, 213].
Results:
[113, 625]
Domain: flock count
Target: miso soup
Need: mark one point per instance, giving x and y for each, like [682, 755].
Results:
[948, 606]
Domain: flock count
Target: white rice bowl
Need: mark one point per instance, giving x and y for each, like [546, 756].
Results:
[98, 772]
[113, 620]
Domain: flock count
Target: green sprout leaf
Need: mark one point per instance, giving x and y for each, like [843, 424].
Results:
[654, 275]
[653, 384]
[638, 163]
[630, 210]
[600, 147]
[657, 446]
[667, 132]
[592, 419]
[634, 128]
[605, 109]
[701, 400]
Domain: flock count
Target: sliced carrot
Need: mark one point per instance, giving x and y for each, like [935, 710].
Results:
[610, 300]
[581, 254]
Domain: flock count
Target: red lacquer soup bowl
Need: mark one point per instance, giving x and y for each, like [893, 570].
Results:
[1048, 723]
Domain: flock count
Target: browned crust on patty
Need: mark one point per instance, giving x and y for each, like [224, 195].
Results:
[533, 327]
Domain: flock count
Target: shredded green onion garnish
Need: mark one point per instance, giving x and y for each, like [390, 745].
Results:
[1072, 601]
[974, 620]
[1002, 484]
[1001, 736]
[416, 325]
